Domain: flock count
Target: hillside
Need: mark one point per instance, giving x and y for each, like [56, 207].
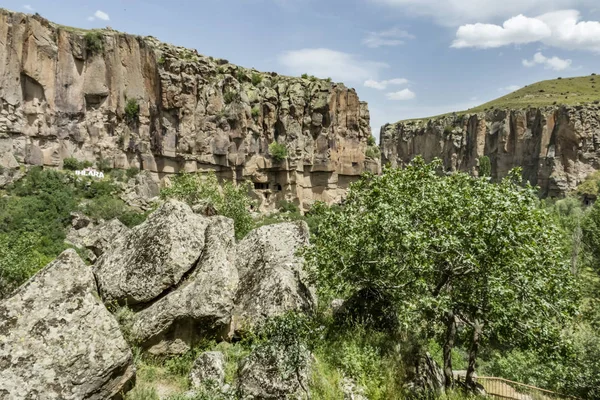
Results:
[561, 91]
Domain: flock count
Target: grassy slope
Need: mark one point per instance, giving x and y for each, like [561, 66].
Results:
[565, 91]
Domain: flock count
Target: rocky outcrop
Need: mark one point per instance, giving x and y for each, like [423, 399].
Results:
[186, 278]
[153, 257]
[557, 147]
[64, 93]
[201, 306]
[209, 368]
[272, 278]
[58, 341]
[271, 373]
[95, 238]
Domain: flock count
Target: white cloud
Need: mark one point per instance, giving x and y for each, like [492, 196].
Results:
[28, 7]
[381, 85]
[325, 63]
[555, 63]
[404, 94]
[517, 30]
[99, 15]
[457, 12]
[509, 89]
[559, 29]
[391, 37]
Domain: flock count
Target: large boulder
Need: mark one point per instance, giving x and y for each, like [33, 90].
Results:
[272, 278]
[102, 237]
[208, 369]
[201, 306]
[153, 257]
[269, 373]
[58, 341]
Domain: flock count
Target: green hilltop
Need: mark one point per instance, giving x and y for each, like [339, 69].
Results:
[560, 91]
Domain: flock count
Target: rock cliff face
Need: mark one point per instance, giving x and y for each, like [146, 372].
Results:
[64, 92]
[557, 147]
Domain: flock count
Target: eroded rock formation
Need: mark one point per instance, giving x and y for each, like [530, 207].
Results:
[557, 147]
[58, 341]
[64, 93]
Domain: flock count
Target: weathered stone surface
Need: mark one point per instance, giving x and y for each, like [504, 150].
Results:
[426, 377]
[267, 373]
[555, 146]
[196, 113]
[272, 278]
[102, 237]
[153, 256]
[58, 341]
[208, 368]
[201, 305]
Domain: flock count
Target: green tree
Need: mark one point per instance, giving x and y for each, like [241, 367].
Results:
[449, 249]
[228, 199]
[278, 151]
[485, 166]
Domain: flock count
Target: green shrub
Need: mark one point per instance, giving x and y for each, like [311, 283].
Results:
[72, 164]
[132, 172]
[230, 96]
[255, 112]
[142, 393]
[304, 76]
[287, 207]
[448, 130]
[278, 151]
[220, 70]
[371, 141]
[94, 42]
[117, 174]
[104, 165]
[256, 78]
[241, 76]
[485, 166]
[228, 199]
[373, 152]
[161, 60]
[132, 111]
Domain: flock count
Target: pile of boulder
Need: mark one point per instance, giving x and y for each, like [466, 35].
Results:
[184, 276]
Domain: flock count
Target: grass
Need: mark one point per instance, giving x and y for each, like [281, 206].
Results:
[562, 91]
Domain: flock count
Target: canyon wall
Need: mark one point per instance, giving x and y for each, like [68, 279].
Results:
[557, 147]
[64, 93]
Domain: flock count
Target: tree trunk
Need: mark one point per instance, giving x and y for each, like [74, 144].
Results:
[448, 346]
[477, 328]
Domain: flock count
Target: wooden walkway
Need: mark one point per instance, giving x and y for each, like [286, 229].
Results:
[500, 388]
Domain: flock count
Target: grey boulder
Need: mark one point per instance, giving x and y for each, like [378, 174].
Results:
[153, 256]
[272, 278]
[58, 341]
[201, 306]
[268, 374]
[208, 369]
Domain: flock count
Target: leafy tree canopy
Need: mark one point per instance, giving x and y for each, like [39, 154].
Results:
[449, 251]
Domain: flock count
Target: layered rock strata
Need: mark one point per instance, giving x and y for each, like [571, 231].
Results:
[557, 147]
[133, 101]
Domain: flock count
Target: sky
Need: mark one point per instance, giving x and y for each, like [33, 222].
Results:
[406, 58]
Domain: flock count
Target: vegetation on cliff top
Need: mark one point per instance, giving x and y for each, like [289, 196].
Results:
[561, 91]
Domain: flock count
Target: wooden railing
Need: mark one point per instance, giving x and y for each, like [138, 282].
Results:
[500, 388]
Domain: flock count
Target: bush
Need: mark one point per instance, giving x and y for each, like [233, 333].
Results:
[255, 112]
[72, 164]
[132, 111]
[485, 166]
[371, 141]
[448, 130]
[304, 76]
[230, 96]
[373, 152]
[287, 207]
[256, 78]
[104, 165]
[228, 199]
[278, 151]
[94, 42]
[241, 77]
[132, 172]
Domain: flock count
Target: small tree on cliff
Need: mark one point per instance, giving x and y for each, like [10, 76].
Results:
[450, 252]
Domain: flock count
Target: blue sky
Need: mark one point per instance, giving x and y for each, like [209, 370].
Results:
[407, 58]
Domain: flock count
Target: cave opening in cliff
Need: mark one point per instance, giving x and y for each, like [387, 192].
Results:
[261, 186]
